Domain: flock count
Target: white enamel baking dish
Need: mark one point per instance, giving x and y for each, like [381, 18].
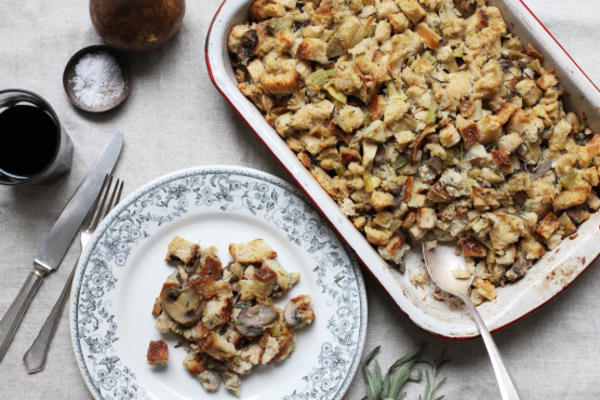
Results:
[440, 316]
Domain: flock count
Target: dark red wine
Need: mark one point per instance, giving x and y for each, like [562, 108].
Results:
[28, 140]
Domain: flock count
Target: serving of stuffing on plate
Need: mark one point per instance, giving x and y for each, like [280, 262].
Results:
[426, 121]
[225, 317]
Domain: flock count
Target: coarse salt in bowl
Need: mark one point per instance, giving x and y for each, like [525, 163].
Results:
[97, 79]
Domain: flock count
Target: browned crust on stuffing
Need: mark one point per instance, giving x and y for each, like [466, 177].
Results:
[533, 52]
[284, 83]
[158, 352]
[349, 155]
[502, 160]
[548, 225]
[472, 248]
[265, 274]
[470, 134]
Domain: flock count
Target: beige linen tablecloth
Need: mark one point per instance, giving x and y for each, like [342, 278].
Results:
[176, 119]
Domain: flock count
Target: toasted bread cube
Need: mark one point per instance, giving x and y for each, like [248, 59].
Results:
[506, 112]
[547, 80]
[263, 9]
[195, 363]
[282, 84]
[251, 252]
[548, 226]
[426, 218]
[489, 128]
[509, 143]
[484, 198]
[158, 352]
[381, 200]
[532, 248]
[567, 226]
[470, 134]
[182, 250]
[413, 10]
[398, 22]
[472, 248]
[430, 38]
[313, 49]
[449, 136]
[571, 198]
[376, 236]
[485, 288]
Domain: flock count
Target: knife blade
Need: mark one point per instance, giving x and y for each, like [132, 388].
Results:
[58, 240]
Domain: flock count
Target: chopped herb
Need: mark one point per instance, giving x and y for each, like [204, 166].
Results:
[428, 76]
[339, 278]
[400, 162]
[437, 192]
[511, 91]
[522, 211]
[232, 276]
[498, 171]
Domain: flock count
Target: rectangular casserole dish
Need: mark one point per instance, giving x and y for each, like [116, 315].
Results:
[439, 315]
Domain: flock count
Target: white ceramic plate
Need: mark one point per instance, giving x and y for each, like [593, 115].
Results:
[122, 272]
[549, 276]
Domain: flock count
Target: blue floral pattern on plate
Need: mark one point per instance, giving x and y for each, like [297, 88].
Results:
[223, 189]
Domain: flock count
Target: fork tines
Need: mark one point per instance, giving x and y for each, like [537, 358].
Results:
[108, 189]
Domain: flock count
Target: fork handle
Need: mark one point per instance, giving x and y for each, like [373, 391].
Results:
[508, 390]
[35, 358]
[12, 318]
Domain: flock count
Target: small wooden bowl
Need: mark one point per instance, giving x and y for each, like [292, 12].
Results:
[69, 72]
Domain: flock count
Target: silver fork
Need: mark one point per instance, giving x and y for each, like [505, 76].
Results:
[35, 358]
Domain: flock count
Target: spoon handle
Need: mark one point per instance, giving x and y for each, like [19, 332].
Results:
[506, 385]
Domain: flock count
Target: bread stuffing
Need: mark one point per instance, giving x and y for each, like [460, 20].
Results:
[426, 121]
[225, 316]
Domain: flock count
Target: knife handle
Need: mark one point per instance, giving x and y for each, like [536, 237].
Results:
[12, 318]
[35, 358]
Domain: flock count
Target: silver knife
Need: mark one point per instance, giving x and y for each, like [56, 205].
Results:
[59, 238]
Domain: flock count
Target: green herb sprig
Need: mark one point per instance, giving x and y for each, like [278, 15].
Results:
[389, 387]
[432, 385]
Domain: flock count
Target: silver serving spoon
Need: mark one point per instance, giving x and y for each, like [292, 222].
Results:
[440, 263]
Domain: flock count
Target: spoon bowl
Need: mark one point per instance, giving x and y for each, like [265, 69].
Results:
[441, 264]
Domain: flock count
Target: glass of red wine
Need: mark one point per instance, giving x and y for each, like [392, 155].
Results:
[34, 148]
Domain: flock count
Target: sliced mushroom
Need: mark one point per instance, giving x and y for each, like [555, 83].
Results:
[518, 269]
[184, 306]
[252, 320]
[249, 41]
[541, 170]
[297, 313]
